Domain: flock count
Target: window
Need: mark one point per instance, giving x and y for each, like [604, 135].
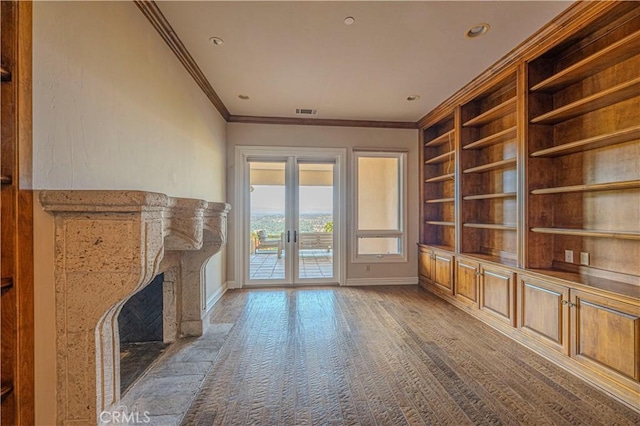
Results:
[380, 206]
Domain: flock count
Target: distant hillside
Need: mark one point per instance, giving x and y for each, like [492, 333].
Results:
[274, 223]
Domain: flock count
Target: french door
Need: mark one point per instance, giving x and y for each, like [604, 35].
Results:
[292, 219]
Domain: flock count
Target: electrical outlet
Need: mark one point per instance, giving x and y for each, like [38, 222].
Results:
[568, 256]
[584, 258]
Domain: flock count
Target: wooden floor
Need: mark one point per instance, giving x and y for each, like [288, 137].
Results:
[381, 356]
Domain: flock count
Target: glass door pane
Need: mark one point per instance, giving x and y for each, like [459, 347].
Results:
[267, 220]
[315, 208]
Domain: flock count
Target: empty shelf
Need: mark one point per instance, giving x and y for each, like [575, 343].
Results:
[499, 226]
[502, 164]
[6, 180]
[5, 74]
[441, 158]
[507, 107]
[615, 53]
[607, 186]
[622, 235]
[440, 178]
[440, 200]
[442, 139]
[439, 223]
[490, 196]
[594, 142]
[506, 135]
[7, 282]
[596, 101]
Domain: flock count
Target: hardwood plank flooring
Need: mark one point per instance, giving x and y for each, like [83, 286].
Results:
[381, 356]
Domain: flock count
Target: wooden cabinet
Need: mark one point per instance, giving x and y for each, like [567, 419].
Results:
[436, 269]
[605, 335]
[497, 293]
[531, 179]
[466, 288]
[543, 312]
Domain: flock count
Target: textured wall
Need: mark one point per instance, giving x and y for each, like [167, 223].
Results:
[113, 109]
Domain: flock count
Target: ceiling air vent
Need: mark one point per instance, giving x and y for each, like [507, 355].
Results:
[306, 111]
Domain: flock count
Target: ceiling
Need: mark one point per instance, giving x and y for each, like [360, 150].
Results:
[288, 55]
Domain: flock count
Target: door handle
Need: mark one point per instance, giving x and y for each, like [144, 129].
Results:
[295, 236]
[288, 236]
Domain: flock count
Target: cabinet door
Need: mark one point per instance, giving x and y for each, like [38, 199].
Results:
[466, 288]
[606, 334]
[497, 293]
[443, 272]
[425, 264]
[543, 312]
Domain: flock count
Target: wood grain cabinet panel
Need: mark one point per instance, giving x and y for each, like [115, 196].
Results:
[425, 263]
[543, 312]
[606, 334]
[497, 293]
[443, 271]
[466, 288]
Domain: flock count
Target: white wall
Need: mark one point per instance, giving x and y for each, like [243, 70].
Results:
[243, 134]
[113, 109]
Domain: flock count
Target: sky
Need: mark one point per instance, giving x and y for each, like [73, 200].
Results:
[270, 199]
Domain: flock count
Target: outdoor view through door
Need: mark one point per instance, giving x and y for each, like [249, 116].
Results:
[291, 221]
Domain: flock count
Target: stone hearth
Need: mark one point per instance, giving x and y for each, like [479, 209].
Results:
[109, 245]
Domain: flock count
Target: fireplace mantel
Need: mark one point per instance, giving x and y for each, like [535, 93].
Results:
[108, 246]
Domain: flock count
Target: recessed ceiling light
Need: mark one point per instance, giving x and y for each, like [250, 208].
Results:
[244, 97]
[413, 97]
[349, 20]
[477, 30]
[217, 41]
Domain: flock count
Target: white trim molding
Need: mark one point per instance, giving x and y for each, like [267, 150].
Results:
[357, 282]
[215, 297]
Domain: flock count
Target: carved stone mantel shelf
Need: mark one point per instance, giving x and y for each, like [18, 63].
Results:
[109, 245]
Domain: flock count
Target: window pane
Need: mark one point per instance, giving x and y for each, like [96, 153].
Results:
[379, 245]
[378, 193]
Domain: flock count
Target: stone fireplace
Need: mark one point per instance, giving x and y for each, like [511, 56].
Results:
[109, 246]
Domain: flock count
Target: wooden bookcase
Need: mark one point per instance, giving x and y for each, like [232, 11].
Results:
[489, 178]
[537, 156]
[439, 190]
[583, 169]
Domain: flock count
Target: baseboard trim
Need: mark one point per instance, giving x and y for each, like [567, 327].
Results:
[354, 282]
[211, 301]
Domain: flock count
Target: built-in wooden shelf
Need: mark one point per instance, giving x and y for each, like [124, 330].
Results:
[440, 200]
[607, 186]
[439, 223]
[441, 158]
[614, 53]
[490, 196]
[498, 226]
[7, 282]
[6, 180]
[497, 165]
[622, 235]
[5, 74]
[440, 178]
[442, 139]
[608, 139]
[506, 107]
[506, 135]
[587, 104]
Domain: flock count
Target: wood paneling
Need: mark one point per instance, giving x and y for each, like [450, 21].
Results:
[497, 293]
[543, 312]
[606, 334]
[467, 281]
[443, 271]
[16, 211]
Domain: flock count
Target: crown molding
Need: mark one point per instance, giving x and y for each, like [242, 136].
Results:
[152, 12]
[322, 122]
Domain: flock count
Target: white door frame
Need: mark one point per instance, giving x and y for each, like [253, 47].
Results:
[241, 214]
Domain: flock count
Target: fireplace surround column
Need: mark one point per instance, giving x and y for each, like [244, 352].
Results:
[108, 246]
